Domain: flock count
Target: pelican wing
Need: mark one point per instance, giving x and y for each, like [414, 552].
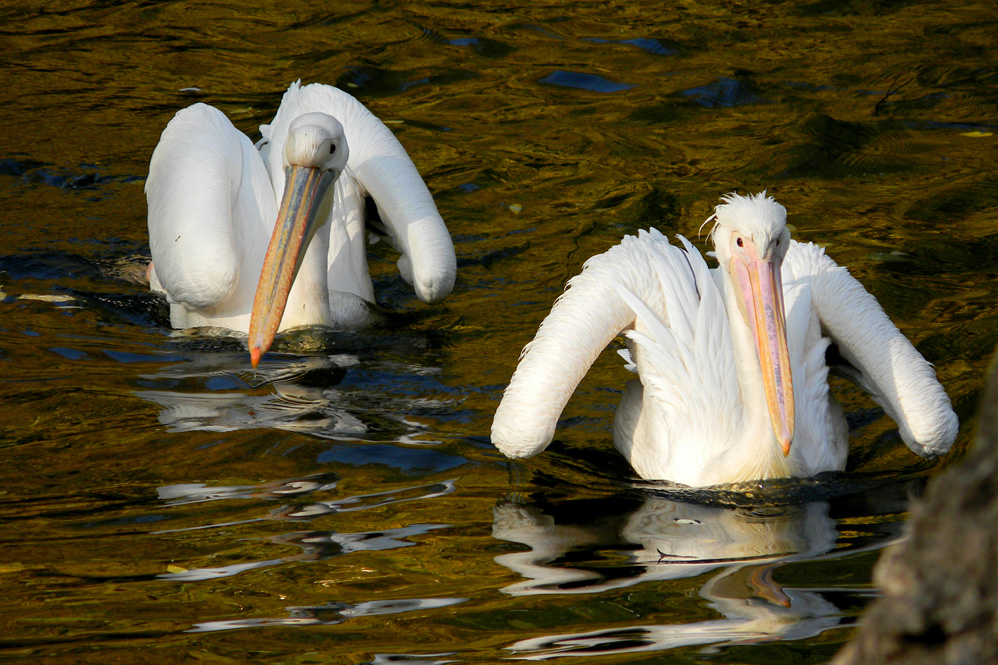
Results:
[888, 366]
[381, 166]
[583, 320]
[209, 201]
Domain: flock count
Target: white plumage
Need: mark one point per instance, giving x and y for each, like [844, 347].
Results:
[214, 198]
[715, 402]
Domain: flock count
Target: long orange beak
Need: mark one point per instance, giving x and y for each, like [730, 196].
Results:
[297, 221]
[761, 290]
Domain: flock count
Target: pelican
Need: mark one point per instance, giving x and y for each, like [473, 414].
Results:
[264, 238]
[733, 380]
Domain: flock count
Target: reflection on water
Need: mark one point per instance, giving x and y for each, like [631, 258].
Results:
[590, 547]
[331, 613]
[746, 622]
[292, 406]
[661, 540]
[175, 495]
[297, 394]
[343, 504]
[314, 545]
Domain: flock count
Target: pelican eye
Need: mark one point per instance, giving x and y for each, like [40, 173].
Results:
[740, 242]
[332, 148]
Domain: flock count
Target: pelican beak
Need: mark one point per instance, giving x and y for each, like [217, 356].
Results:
[761, 302]
[298, 219]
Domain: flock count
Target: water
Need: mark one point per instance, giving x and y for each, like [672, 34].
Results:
[162, 503]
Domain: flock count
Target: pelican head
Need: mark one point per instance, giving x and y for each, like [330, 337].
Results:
[751, 238]
[315, 153]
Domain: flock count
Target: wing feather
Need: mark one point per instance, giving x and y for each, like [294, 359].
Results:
[646, 271]
[687, 365]
[205, 206]
[898, 377]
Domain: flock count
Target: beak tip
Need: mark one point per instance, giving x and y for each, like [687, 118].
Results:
[255, 354]
[785, 444]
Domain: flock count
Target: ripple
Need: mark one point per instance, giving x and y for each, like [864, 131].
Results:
[219, 572]
[191, 493]
[590, 82]
[410, 659]
[410, 460]
[228, 412]
[68, 354]
[368, 80]
[335, 397]
[178, 495]
[377, 499]
[373, 541]
[650, 45]
[724, 93]
[315, 546]
[811, 615]
[487, 48]
[332, 614]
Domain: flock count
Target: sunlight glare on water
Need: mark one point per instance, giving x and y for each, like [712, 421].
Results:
[343, 504]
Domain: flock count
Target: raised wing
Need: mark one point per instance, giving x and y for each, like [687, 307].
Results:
[592, 311]
[210, 202]
[888, 366]
[381, 166]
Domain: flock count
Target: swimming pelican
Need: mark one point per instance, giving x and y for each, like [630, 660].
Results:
[263, 239]
[733, 380]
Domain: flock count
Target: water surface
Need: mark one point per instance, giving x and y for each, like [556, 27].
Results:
[161, 502]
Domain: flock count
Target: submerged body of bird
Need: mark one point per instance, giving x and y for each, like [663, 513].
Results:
[732, 376]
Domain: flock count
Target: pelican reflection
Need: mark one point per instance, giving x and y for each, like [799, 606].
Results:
[598, 546]
[215, 392]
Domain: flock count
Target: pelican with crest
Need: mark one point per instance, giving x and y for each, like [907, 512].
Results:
[267, 237]
[732, 374]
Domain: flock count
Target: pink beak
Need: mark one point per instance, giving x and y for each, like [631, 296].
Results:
[761, 290]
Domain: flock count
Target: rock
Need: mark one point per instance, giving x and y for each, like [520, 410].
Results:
[940, 585]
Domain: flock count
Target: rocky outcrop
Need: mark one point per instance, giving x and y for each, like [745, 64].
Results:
[940, 585]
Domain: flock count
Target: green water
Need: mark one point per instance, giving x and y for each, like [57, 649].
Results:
[162, 503]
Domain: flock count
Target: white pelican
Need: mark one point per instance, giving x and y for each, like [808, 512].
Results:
[265, 240]
[733, 378]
